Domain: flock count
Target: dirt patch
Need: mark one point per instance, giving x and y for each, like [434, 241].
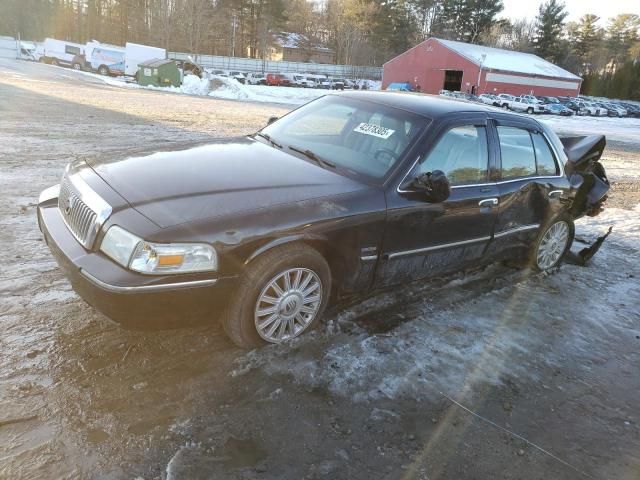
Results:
[551, 358]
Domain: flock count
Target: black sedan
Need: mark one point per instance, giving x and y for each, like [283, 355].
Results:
[347, 194]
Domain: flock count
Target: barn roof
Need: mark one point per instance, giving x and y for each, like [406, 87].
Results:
[507, 60]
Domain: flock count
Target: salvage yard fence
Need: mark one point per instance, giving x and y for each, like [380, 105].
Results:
[270, 66]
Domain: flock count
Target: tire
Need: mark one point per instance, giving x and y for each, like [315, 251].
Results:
[240, 319]
[76, 66]
[529, 110]
[103, 70]
[505, 106]
[54, 62]
[537, 258]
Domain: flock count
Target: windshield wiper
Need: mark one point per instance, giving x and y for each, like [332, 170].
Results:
[268, 139]
[309, 154]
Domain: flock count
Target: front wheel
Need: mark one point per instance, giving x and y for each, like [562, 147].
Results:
[103, 70]
[529, 110]
[282, 294]
[553, 242]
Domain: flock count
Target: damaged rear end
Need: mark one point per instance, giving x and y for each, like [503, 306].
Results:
[587, 176]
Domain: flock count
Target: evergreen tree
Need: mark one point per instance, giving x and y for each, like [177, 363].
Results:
[583, 38]
[549, 27]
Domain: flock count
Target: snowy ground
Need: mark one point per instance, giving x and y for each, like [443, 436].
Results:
[369, 395]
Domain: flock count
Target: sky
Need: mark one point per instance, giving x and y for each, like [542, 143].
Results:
[576, 8]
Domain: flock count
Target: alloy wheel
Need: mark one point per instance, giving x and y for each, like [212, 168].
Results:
[552, 245]
[288, 304]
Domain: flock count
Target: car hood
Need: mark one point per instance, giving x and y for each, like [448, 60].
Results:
[217, 179]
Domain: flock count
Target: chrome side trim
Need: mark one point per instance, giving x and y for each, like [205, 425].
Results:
[555, 192]
[511, 231]
[369, 258]
[147, 288]
[438, 247]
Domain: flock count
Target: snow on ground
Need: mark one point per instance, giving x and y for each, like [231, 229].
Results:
[462, 344]
[625, 130]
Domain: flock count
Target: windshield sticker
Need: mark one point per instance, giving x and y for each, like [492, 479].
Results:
[374, 130]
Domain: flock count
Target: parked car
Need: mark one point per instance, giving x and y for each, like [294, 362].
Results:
[256, 79]
[238, 76]
[278, 80]
[526, 104]
[270, 228]
[558, 109]
[613, 110]
[490, 99]
[400, 86]
[592, 109]
[505, 100]
[632, 110]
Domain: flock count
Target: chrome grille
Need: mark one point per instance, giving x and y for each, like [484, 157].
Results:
[82, 209]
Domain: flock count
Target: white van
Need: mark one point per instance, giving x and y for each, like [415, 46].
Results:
[58, 52]
[104, 58]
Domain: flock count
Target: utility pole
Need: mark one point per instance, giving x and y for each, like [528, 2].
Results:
[233, 38]
[484, 57]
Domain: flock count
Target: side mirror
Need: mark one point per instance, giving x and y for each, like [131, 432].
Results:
[271, 120]
[434, 186]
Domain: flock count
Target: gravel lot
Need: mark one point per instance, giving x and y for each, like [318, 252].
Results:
[553, 359]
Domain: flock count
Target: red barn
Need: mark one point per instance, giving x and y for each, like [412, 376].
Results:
[437, 64]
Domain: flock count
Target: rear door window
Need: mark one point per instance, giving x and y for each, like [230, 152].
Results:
[545, 160]
[516, 150]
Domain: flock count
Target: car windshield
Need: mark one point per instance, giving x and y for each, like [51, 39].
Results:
[358, 136]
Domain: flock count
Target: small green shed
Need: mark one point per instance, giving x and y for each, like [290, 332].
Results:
[159, 73]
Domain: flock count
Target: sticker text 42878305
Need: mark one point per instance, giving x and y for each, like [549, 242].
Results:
[374, 130]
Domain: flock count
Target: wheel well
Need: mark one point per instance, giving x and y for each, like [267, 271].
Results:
[333, 257]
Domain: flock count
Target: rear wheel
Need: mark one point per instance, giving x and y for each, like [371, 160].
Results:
[54, 62]
[529, 110]
[505, 106]
[103, 70]
[281, 295]
[553, 242]
[77, 66]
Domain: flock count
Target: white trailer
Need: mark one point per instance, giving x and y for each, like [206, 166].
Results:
[8, 47]
[135, 54]
[58, 52]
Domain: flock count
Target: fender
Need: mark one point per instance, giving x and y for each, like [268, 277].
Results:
[276, 242]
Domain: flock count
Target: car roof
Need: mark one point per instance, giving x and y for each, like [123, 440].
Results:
[431, 106]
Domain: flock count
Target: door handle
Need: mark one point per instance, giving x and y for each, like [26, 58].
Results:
[555, 193]
[488, 202]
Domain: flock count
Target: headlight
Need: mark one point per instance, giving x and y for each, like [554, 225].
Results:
[145, 257]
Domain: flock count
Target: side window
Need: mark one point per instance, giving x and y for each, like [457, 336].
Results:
[544, 156]
[462, 154]
[516, 149]
[70, 49]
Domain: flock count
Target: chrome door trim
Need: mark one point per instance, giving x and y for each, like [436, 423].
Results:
[369, 258]
[146, 288]
[493, 201]
[437, 247]
[520, 229]
[553, 193]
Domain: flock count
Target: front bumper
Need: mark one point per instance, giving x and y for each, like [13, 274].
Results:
[129, 298]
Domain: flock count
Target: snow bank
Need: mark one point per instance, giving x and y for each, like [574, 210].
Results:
[193, 85]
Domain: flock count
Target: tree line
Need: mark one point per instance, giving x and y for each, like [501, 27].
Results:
[605, 52]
